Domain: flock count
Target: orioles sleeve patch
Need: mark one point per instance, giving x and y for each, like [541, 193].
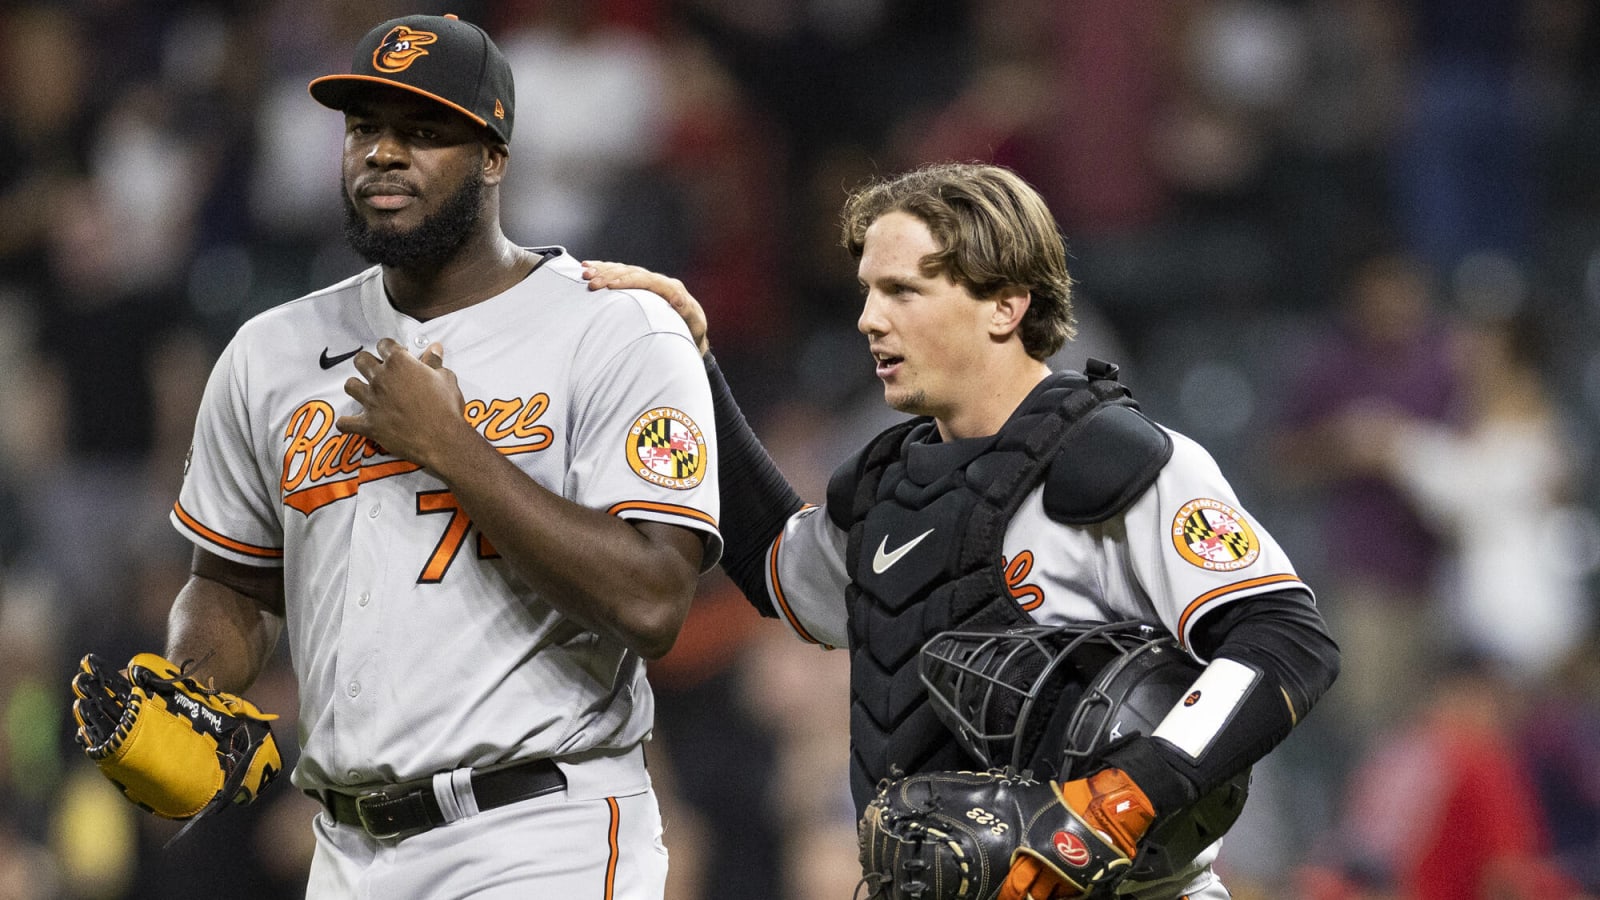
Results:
[666, 448]
[1214, 536]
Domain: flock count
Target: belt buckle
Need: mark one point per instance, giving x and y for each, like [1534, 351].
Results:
[362, 800]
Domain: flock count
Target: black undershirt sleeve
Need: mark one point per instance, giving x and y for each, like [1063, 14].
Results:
[756, 499]
[1280, 635]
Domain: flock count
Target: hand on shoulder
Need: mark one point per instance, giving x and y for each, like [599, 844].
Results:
[621, 276]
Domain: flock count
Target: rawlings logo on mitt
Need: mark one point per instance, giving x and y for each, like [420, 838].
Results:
[171, 745]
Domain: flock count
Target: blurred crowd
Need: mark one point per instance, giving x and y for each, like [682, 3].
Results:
[1351, 246]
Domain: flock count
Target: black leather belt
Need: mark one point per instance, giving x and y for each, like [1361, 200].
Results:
[403, 810]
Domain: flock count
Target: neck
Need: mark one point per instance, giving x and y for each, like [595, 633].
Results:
[483, 269]
[992, 401]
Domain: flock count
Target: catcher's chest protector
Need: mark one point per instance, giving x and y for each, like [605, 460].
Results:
[950, 504]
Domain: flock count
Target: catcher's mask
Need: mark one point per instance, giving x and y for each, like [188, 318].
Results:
[1052, 699]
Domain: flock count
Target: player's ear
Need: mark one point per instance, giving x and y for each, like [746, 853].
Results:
[1010, 305]
[496, 155]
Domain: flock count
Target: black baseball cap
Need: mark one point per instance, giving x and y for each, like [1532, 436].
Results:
[441, 58]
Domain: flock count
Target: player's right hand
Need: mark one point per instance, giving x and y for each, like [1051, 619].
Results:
[410, 405]
[621, 276]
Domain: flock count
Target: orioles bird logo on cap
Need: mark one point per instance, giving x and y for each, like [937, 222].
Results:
[400, 48]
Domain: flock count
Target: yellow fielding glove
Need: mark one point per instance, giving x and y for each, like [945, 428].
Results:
[172, 746]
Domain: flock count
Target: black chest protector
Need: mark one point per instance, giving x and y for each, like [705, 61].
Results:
[926, 523]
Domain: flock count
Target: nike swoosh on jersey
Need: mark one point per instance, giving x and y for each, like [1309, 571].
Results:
[884, 558]
[328, 362]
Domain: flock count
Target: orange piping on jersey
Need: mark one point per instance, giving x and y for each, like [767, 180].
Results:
[221, 541]
[777, 593]
[669, 508]
[611, 864]
[1193, 608]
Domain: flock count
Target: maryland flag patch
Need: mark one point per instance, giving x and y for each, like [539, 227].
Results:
[1214, 536]
[666, 447]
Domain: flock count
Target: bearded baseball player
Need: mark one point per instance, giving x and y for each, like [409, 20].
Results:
[477, 499]
[1017, 497]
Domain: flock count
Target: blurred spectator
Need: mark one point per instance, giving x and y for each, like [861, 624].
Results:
[1463, 155]
[702, 201]
[44, 122]
[1071, 97]
[1562, 743]
[576, 153]
[1338, 133]
[1444, 808]
[1498, 484]
[835, 73]
[1374, 557]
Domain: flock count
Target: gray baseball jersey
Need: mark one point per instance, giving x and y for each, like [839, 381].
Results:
[1184, 548]
[416, 647]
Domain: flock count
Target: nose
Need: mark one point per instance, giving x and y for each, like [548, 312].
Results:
[871, 320]
[387, 151]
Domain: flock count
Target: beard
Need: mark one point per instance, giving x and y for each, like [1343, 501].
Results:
[431, 244]
[912, 404]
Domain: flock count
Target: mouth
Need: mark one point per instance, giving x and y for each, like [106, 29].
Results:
[886, 364]
[386, 196]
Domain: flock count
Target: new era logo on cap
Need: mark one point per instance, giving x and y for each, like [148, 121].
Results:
[441, 58]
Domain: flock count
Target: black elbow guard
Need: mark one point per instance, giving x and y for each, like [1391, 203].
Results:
[1230, 718]
[1269, 667]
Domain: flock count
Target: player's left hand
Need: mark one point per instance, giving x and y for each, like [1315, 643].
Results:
[957, 835]
[411, 405]
[172, 745]
[621, 276]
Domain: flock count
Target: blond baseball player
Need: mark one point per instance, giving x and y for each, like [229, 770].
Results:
[476, 499]
[1016, 498]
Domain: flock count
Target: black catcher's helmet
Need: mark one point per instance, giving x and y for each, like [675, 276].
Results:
[1052, 699]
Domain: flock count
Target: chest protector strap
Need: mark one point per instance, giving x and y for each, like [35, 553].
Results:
[926, 524]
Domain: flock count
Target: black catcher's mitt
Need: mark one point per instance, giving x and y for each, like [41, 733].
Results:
[956, 835]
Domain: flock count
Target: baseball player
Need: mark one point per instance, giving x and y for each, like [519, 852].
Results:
[477, 504]
[1016, 495]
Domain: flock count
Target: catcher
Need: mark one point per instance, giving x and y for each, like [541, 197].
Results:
[1015, 496]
